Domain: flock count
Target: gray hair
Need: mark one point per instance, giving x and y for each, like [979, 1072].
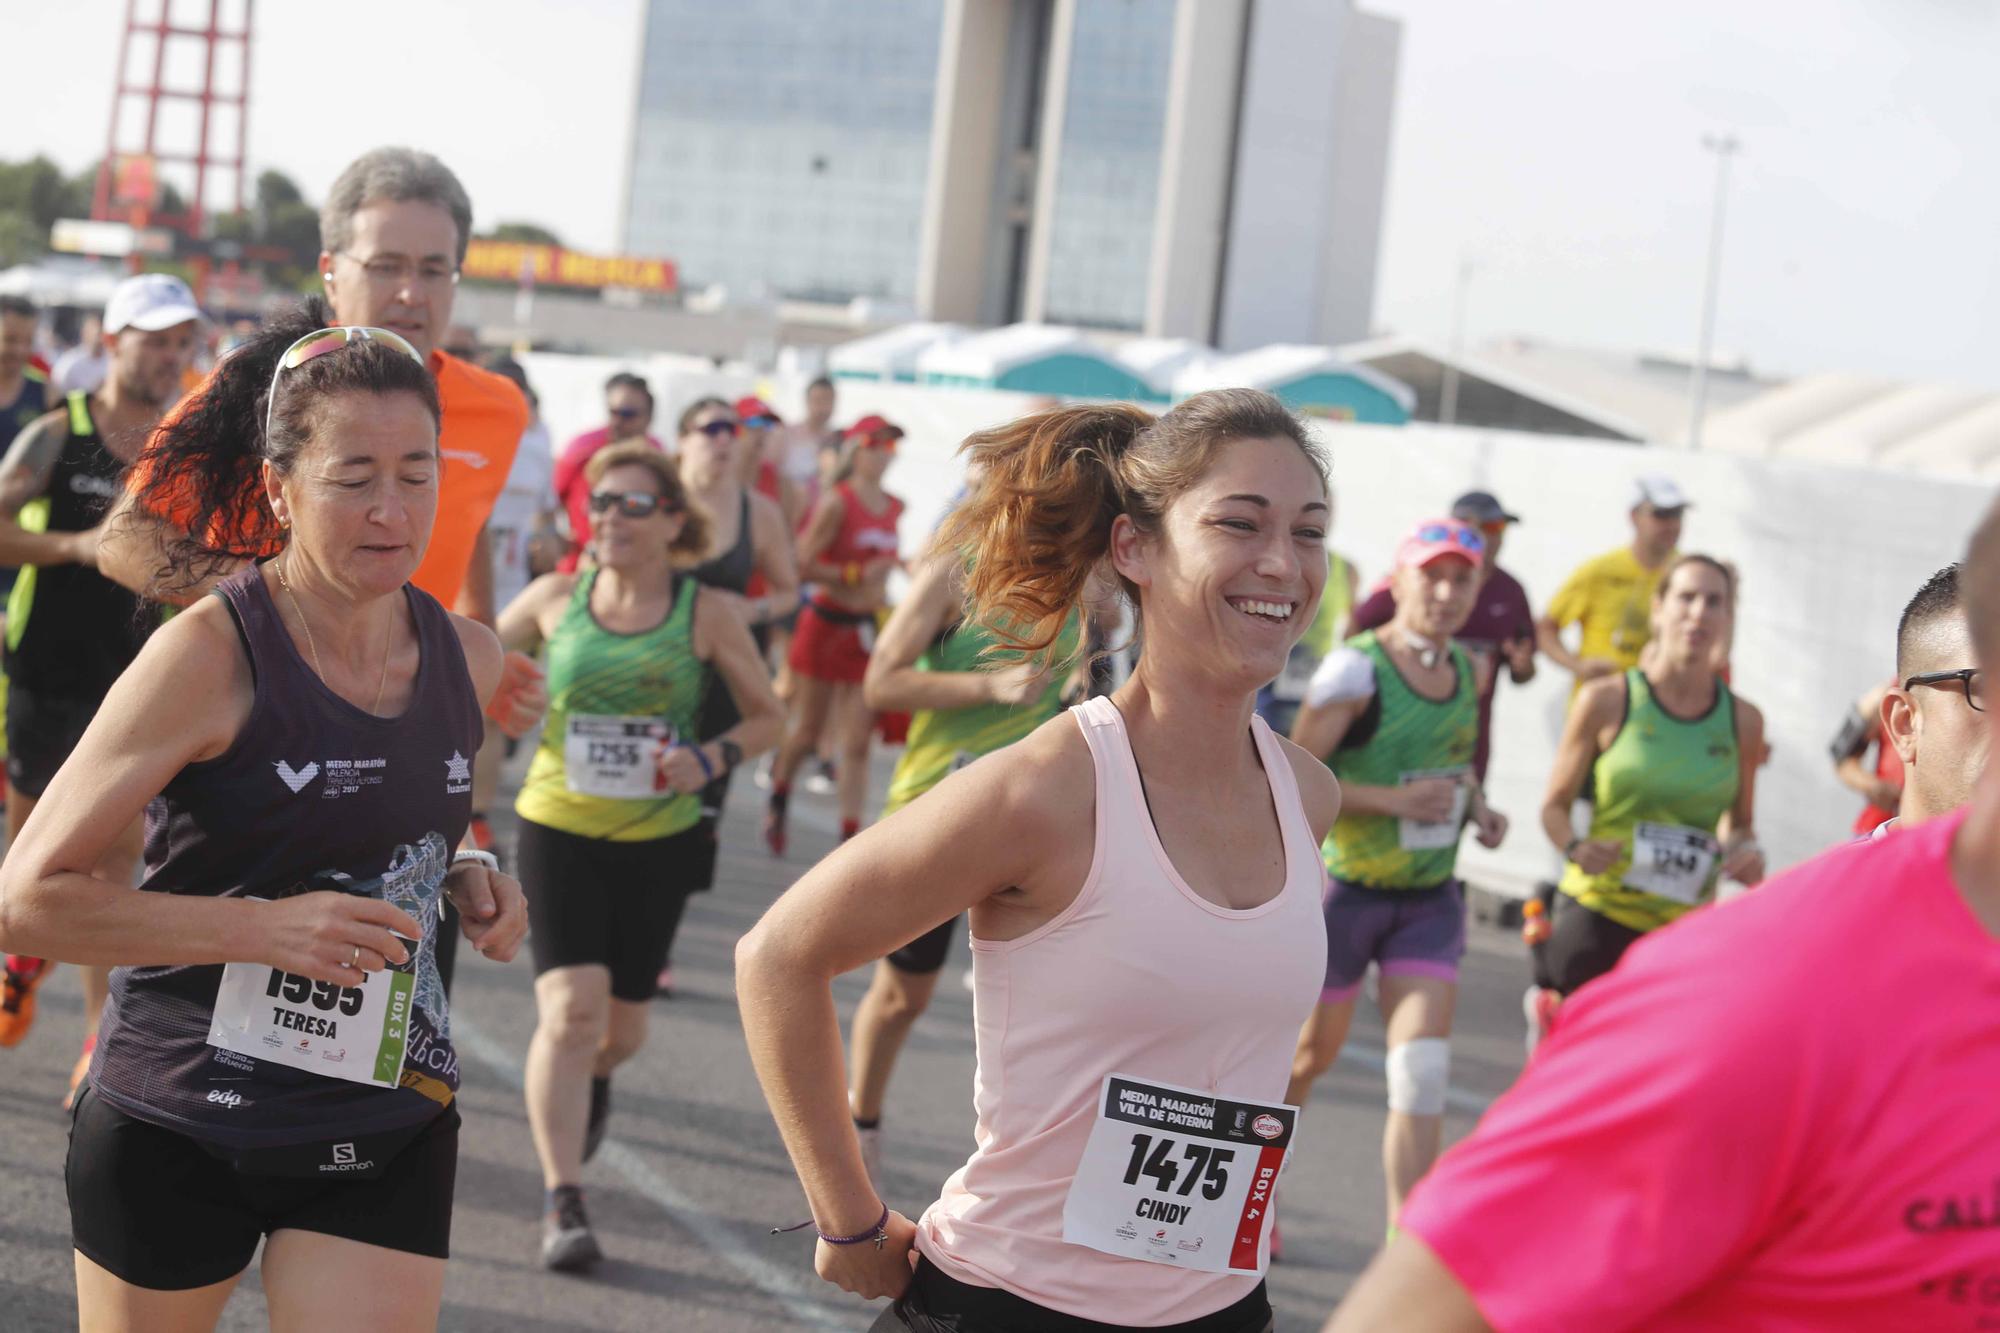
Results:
[398, 174]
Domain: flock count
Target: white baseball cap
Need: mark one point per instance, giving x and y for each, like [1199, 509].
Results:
[150, 302]
[1659, 492]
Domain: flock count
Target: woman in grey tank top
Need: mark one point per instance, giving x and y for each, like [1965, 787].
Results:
[276, 1058]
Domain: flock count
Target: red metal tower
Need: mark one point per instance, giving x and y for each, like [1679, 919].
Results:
[127, 179]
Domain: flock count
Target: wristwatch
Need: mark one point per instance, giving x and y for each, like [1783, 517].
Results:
[732, 753]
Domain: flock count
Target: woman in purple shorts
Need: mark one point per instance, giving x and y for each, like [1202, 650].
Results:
[1395, 714]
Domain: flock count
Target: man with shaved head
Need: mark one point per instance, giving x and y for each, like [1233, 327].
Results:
[1777, 1112]
[1931, 714]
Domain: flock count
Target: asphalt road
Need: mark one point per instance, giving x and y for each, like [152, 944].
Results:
[694, 1175]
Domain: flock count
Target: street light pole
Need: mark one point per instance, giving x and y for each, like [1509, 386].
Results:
[1448, 391]
[1724, 146]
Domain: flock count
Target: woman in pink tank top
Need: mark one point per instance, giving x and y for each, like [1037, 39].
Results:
[1144, 886]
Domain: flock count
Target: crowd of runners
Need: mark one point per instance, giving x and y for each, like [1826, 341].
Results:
[278, 627]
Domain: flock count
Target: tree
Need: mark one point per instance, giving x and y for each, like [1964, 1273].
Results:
[522, 233]
[275, 189]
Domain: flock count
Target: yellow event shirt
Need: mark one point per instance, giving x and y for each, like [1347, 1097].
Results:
[1611, 596]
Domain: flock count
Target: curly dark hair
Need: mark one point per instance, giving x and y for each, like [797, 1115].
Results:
[202, 467]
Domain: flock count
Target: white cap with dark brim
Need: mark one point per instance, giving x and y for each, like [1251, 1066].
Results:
[1660, 492]
[150, 302]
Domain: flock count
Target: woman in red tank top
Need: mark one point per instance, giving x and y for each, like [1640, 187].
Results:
[1143, 880]
[846, 553]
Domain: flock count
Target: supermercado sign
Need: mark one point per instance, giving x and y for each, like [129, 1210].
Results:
[551, 265]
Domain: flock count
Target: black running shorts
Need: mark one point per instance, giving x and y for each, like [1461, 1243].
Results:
[41, 731]
[158, 1210]
[1583, 945]
[937, 1303]
[926, 953]
[616, 904]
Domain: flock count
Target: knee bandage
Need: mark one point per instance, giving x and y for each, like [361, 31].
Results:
[1419, 1072]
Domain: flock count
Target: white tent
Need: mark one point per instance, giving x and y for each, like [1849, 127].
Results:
[1306, 377]
[891, 354]
[1159, 360]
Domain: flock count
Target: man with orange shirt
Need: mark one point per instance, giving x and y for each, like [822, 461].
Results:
[394, 230]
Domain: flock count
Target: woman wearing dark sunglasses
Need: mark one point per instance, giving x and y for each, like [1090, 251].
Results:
[610, 812]
[847, 552]
[748, 540]
[276, 1058]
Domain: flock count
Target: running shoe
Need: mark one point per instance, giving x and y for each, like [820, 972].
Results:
[17, 996]
[871, 1153]
[80, 1072]
[568, 1245]
[1538, 1007]
[820, 781]
[600, 1116]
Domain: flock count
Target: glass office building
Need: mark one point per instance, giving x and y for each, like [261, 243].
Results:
[1108, 176]
[781, 146]
[1204, 169]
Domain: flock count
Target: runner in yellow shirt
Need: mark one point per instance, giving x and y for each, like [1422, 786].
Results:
[1610, 597]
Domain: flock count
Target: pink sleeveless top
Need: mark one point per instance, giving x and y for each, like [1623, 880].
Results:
[1139, 976]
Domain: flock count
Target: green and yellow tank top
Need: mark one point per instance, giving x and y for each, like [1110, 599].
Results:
[943, 740]
[1335, 605]
[1403, 736]
[615, 702]
[1661, 789]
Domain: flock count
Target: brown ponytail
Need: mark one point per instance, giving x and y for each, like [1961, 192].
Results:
[1038, 525]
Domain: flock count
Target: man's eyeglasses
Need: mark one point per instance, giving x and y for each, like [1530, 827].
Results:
[627, 413]
[1667, 515]
[632, 504]
[1970, 679]
[881, 439]
[719, 430]
[321, 341]
[392, 271]
[759, 423]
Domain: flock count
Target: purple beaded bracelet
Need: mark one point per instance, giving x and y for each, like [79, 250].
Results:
[879, 1233]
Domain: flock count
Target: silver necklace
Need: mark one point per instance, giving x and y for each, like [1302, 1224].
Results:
[313, 648]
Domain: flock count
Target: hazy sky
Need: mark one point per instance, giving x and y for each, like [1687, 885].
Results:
[1556, 144]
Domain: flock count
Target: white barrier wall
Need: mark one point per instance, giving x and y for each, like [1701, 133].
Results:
[1828, 557]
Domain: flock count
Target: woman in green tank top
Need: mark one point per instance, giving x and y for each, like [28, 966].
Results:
[963, 704]
[610, 808]
[1670, 753]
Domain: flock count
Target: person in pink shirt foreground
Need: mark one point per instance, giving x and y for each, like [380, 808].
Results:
[1782, 1113]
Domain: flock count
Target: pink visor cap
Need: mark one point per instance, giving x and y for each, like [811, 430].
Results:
[1436, 537]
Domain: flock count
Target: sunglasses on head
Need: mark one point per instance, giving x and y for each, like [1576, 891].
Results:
[322, 341]
[632, 504]
[1465, 539]
[719, 429]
